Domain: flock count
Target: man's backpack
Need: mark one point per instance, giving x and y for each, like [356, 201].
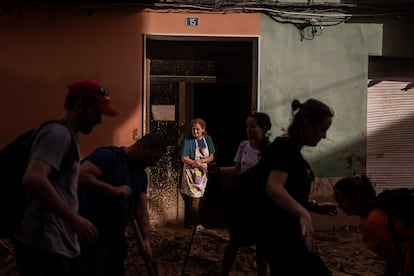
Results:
[14, 158]
[398, 203]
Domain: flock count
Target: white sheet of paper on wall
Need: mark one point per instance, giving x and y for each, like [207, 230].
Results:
[163, 112]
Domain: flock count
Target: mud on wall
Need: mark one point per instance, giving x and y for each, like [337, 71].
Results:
[165, 203]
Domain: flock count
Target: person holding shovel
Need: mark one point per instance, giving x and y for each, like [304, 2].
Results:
[113, 192]
[285, 229]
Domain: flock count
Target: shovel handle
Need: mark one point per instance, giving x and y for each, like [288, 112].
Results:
[140, 241]
[187, 256]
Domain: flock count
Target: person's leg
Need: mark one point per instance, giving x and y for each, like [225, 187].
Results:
[55, 264]
[294, 259]
[229, 256]
[115, 256]
[317, 266]
[93, 258]
[187, 211]
[282, 254]
[28, 261]
[195, 208]
[261, 265]
[31, 262]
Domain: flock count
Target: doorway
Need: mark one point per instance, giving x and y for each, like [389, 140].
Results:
[213, 78]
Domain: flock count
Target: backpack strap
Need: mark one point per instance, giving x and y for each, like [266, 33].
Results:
[399, 239]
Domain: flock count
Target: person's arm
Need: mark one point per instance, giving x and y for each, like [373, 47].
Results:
[187, 160]
[36, 179]
[89, 181]
[324, 208]
[278, 194]
[236, 168]
[211, 148]
[233, 170]
[387, 250]
[185, 154]
[377, 237]
[142, 216]
[208, 159]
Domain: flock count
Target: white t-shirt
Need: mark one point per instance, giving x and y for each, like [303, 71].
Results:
[246, 156]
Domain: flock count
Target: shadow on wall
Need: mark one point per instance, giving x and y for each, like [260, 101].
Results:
[218, 197]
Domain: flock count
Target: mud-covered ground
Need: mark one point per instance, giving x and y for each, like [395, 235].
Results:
[342, 250]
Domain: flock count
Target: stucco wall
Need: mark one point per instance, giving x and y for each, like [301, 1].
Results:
[42, 51]
[331, 67]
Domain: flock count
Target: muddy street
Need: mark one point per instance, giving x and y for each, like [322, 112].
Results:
[341, 249]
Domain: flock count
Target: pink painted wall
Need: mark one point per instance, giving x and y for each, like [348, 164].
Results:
[212, 24]
[41, 51]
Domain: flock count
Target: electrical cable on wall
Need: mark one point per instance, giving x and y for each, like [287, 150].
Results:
[309, 20]
[309, 17]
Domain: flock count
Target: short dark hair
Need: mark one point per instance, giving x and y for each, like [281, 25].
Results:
[352, 186]
[263, 121]
[153, 141]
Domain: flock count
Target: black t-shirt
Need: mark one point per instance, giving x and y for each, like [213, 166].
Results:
[283, 155]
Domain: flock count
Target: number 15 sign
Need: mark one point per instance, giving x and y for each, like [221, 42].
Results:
[191, 21]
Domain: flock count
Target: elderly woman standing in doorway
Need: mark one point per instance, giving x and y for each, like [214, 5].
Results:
[198, 150]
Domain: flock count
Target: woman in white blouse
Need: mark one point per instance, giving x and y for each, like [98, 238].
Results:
[248, 154]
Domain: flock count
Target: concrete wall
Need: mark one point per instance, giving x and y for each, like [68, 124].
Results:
[398, 39]
[331, 67]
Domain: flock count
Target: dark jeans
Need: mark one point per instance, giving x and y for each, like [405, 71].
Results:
[106, 257]
[31, 262]
[289, 256]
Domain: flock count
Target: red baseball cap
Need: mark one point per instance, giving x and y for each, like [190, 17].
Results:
[95, 93]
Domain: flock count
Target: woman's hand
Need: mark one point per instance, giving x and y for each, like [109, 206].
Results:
[123, 191]
[200, 165]
[307, 230]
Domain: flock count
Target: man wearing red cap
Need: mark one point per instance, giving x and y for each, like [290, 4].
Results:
[48, 241]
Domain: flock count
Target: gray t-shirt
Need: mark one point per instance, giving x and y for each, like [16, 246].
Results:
[42, 229]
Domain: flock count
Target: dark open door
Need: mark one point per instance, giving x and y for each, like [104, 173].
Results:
[187, 79]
